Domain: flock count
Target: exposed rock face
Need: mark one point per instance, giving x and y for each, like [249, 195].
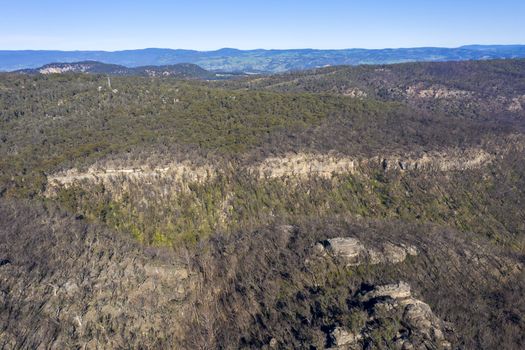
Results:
[325, 166]
[178, 172]
[64, 68]
[400, 291]
[299, 166]
[353, 252]
[395, 318]
[342, 338]
[437, 92]
[304, 165]
[349, 249]
[451, 160]
[517, 103]
[355, 93]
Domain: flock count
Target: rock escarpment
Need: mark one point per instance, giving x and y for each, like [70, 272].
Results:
[299, 166]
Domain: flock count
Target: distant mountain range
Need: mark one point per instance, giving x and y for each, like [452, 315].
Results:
[259, 61]
[179, 70]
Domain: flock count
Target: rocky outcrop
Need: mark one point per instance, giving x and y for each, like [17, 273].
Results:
[341, 338]
[400, 291]
[349, 249]
[179, 171]
[303, 165]
[451, 160]
[118, 180]
[516, 104]
[64, 68]
[353, 252]
[437, 92]
[355, 93]
[395, 318]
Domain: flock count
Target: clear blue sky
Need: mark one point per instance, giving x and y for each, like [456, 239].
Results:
[208, 25]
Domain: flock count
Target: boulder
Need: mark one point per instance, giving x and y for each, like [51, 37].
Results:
[348, 248]
[394, 253]
[420, 318]
[353, 252]
[71, 288]
[343, 337]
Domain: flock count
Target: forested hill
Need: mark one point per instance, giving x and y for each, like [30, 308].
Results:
[268, 61]
[179, 70]
[478, 88]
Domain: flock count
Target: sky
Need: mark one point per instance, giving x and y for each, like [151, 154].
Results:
[269, 24]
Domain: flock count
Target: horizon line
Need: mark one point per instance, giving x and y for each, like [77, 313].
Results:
[266, 49]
